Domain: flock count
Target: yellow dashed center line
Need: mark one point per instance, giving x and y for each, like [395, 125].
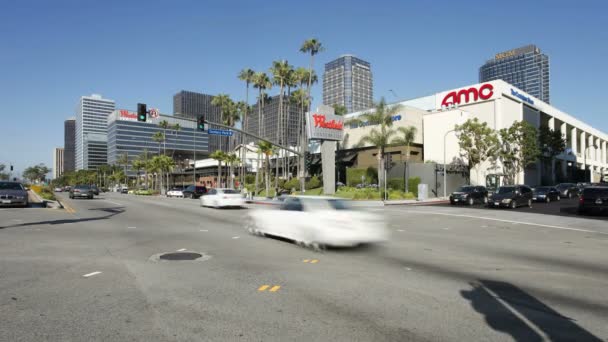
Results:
[275, 288]
[263, 288]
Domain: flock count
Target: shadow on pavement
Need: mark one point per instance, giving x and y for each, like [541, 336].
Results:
[509, 309]
[110, 212]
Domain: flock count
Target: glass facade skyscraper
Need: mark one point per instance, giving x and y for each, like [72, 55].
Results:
[69, 145]
[91, 131]
[189, 104]
[347, 81]
[525, 67]
[269, 119]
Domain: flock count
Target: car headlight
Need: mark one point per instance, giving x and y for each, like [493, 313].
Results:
[506, 200]
[19, 197]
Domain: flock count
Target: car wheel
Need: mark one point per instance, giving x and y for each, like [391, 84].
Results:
[470, 201]
[513, 204]
[547, 199]
[530, 203]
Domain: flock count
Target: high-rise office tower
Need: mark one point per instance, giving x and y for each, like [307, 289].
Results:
[91, 131]
[69, 145]
[58, 155]
[189, 104]
[525, 67]
[269, 119]
[347, 81]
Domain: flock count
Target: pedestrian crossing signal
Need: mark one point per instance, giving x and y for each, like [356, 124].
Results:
[200, 123]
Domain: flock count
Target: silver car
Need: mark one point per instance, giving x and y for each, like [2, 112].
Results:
[13, 193]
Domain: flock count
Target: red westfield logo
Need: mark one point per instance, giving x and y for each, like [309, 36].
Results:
[126, 114]
[333, 124]
[465, 95]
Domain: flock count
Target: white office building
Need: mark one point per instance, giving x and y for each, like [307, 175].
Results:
[91, 131]
[57, 162]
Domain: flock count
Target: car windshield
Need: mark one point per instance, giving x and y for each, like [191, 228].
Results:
[10, 186]
[465, 189]
[563, 186]
[506, 189]
[543, 188]
[230, 191]
[82, 187]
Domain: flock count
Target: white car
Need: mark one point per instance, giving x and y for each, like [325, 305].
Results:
[317, 221]
[176, 191]
[222, 198]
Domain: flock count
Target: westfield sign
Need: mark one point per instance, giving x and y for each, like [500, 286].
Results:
[320, 121]
[472, 94]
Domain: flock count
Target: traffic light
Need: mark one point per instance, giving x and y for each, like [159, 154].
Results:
[388, 159]
[200, 123]
[142, 112]
[307, 160]
[11, 167]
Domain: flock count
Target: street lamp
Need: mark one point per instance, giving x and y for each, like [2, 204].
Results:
[585, 161]
[445, 171]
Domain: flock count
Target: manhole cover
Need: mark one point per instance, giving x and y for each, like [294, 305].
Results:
[180, 256]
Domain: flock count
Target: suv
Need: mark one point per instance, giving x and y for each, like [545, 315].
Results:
[194, 191]
[568, 190]
[469, 194]
[511, 196]
[594, 199]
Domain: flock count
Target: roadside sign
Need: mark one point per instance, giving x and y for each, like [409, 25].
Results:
[153, 113]
[223, 132]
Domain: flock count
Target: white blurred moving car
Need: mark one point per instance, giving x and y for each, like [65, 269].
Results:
[176, 191]
[220, 198]
[318, 221]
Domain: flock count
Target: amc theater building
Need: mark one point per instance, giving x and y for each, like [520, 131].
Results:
[500, 104]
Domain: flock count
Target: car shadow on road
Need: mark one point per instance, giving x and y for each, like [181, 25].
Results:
[509, 309]
[110, 213]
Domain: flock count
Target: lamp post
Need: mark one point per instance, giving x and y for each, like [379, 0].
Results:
[585, 161]
[445, 171]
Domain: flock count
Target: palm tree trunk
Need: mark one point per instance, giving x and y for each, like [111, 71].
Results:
[267, 175]
[219, 174]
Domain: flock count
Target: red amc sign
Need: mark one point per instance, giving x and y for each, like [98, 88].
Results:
[333, 124]
[484, 92]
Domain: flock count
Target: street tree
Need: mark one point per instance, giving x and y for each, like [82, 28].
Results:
[3, 175]
[281, 71]
[261, 81]
[267, 149]
[164, 125]
[246, 75]
[382, 116]
[518, 148]
[36, 173]
[340, 109]
[231, 159]
[220, 156]
[477, 141]
[123, 160]
[158, 137]
[551, 143]
[406, 137]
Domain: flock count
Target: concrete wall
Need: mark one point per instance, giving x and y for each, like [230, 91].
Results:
[428, 175]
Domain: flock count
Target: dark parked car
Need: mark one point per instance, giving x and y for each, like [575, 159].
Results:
[511, 196]
[13, 193]
[568, 190]
[81, 191]
[469, 194]
[593, 199]
[194, 191]
[545, 194]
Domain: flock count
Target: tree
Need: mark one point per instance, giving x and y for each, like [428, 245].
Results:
[123, 160]
[246, 75]
[164, 125]
[261, 81]
[381, 115]
[162, 164]
[518, 148]
[310, 46]
[551, 143]
[477, 141]
[280, 75]
[231, 159]
[220, 156]
[3, 175]
[36, 173]
[268, 150]
[158, 137]
[408, 134]
[340, 109]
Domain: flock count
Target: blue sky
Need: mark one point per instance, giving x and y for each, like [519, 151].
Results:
[52, 52]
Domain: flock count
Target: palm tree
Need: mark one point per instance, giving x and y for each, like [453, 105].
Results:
[280, 76]
[261, 81]
[158, 137]
[164, 125]
[162, 164]
[150, 168]
[242, 109]
[408, 134]
[226, 105]
[220, 156]
[381, 115]
[267, 149]
[246, 75]
[123, 160]
[231, 159]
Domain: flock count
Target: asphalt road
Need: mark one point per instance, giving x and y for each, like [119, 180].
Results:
[447, 274]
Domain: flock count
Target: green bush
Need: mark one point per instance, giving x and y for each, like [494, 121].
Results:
[313, 183]
[353, 176]
[396, 184]
[413, 185]
[291, 184]
[249, 179]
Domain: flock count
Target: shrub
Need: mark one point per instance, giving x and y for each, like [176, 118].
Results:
[396, 184]
[353, 176]
[313, 183]
[249, 179]
[291, 184]
[413, 185]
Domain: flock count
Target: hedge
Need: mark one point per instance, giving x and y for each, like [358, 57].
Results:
[353, 176]
[397, 184]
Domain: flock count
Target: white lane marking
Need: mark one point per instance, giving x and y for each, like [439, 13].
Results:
[517, 314]
[204, 230]
[17, 220]
[91, 274]
[235, 237]
[408, 269]
[445, 228]
[399, 230]
[181, 250]
[131, 227]
[115, 203]
[507, 221]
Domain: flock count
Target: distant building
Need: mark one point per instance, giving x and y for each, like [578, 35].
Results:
[58, 159]
[189, 104]
[347, 81]
[91, 131]
[269, 119]
[526, 68]
[128, 136]
[69, 145]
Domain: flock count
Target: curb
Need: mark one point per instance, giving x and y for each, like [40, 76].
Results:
[420, 203]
